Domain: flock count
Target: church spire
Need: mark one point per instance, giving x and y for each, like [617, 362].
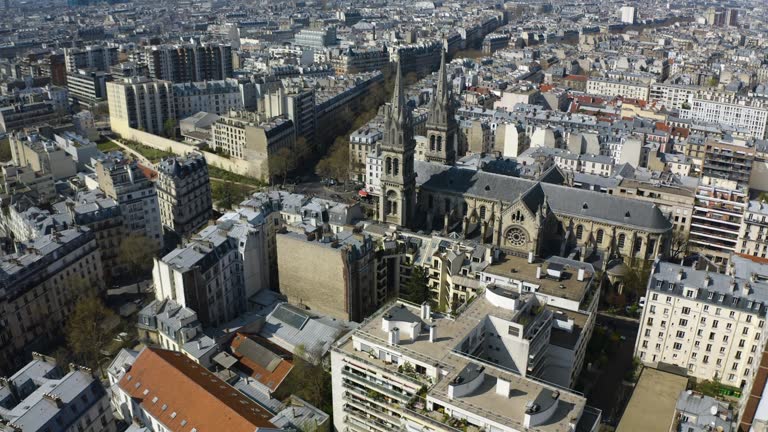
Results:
[398, 97]
[442, 81]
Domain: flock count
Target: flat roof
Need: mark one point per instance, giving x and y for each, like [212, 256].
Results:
[568, 287]
[652, 406]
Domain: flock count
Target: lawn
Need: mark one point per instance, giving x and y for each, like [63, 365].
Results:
[153, 154]
[108, 146]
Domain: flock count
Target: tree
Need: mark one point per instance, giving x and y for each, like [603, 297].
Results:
[169, 127]
[136, 252]
[416, 290]
[281, 163]
[88, 330]
[313, 383]
[679, 245]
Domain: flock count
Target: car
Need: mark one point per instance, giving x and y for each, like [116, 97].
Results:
[641, 303]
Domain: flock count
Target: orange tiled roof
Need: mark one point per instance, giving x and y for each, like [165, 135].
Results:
[271, 379]
[193, 397]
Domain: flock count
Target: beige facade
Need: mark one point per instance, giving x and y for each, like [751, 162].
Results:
[626, 89]
[140, 103]
[710, 324]
[330, 276]
[246, 136]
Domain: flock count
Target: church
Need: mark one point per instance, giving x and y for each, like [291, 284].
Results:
[543, 217]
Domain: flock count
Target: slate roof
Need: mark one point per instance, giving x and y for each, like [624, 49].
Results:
[563, 200]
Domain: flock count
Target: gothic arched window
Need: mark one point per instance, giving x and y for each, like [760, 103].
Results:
[432, 142]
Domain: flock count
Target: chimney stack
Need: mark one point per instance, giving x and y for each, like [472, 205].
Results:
[432, 333]
[425, 310]
[581, 275]
[394, 336]
[538, 272]
[746, 288]
[530, 257]
[680, 275]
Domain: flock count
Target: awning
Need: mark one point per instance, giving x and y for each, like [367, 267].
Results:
[363, 193]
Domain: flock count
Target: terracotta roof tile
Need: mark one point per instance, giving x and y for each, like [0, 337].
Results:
[184, 395]
[272, 379]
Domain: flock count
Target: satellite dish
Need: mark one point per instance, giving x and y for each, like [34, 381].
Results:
[714, 410]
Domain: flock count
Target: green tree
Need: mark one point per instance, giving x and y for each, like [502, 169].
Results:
[416, 290]
[169, 127]
[88, 330]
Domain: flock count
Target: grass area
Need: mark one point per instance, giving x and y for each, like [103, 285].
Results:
[215, 172]
[154, 155]
[716, 389]
[107, 146]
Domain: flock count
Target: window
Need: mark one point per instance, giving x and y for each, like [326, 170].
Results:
[622, 239]
[599, 237]
[579, 232]
[655, 297]
[677, 346]
[689, 293]
[714, 324]
[683, 322]
[686, 311]
[680, 334]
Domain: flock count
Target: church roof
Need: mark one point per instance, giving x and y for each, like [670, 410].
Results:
[563, 200]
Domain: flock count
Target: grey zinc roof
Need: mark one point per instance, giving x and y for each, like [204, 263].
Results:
[664, 280]
[562, 199]
[317, 334]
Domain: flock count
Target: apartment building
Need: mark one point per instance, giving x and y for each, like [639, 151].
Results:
[406, 367]
[167, 391]
[41, 155]
[610, 87]
[140, 103]
[184, 193]
[19, 116]
[102, 215]
[123, 180]
[97, 57]
[673, 96]
[351, 61]
[87, 87]
[721, 199]
[39, 288]
[316, 38]
[189, 62]
[753, 235]
[676, 201]
[217, 271]
[249, 136]
[745, 114]
[40, 397]
[331, 274]
[217, 97]
[709, 324]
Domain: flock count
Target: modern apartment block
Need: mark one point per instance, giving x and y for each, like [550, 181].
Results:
[39, 288]
[140, 103]
[97, 57]
[184, 193]
[19, 116]
[248, 136]
[123, 180]
[710, 324]
[87, 86]
[217, 271]
[189, 62]
[407, 368]
[721, 199]
[751, 116]
[217, 97]
[316, 38]
[39, 397]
